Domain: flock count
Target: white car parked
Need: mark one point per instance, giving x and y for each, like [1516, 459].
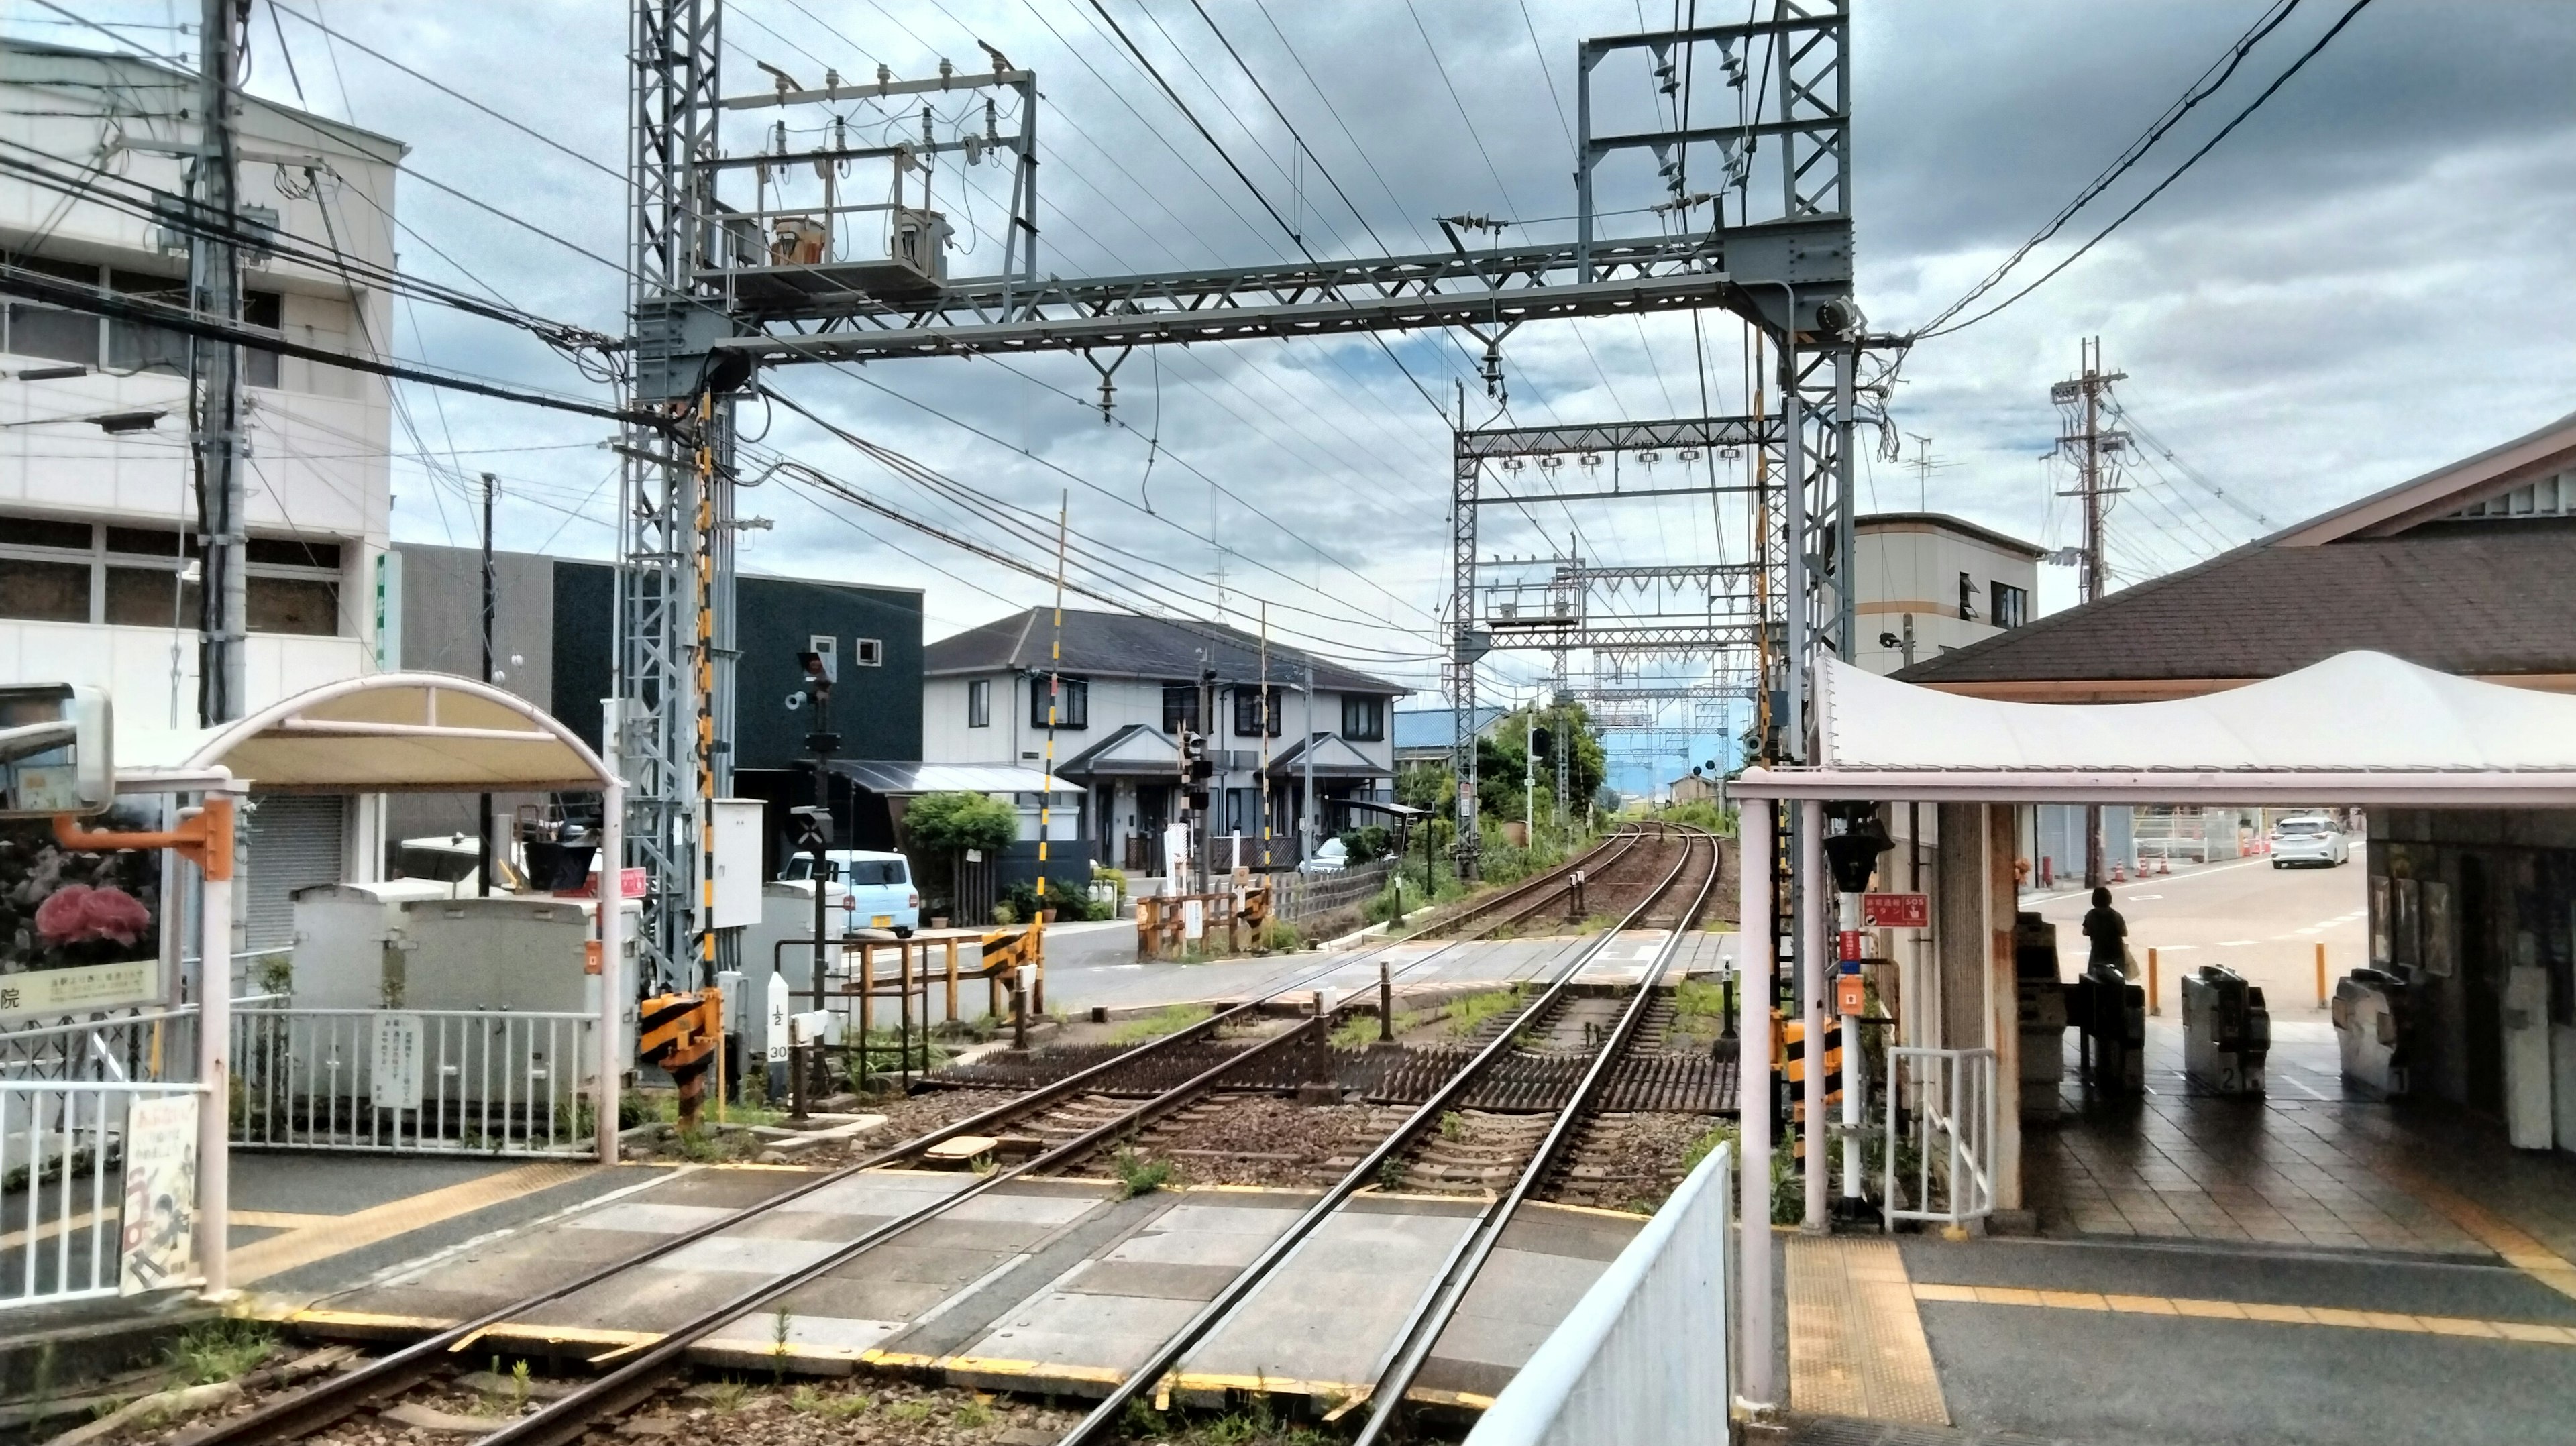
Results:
[868, 890]
[2309, 839]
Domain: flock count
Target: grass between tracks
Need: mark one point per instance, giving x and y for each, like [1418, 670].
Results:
[1171, 1020]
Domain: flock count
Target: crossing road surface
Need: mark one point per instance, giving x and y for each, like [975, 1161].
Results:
[2264, 923]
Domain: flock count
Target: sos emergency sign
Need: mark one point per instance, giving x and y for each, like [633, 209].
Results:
[1897, 911]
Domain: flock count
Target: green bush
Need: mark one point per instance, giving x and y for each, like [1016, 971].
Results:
[1367, 843]
[1070, 901]
[947, 822]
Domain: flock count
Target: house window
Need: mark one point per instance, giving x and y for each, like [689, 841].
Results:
[1073, 702]
[79, 572]
[1180, 708]
[1247, 713]
[1363, 719]
[2009, 606]
[979, 703]
[1967, 598]
[870, 653]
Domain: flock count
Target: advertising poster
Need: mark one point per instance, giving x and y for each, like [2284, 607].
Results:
[79, 932]
[159, 1239]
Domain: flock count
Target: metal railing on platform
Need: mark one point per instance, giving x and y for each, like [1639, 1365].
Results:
[1644, 1356]
[64, 1189]
[1940, 1162]
[425, 1081]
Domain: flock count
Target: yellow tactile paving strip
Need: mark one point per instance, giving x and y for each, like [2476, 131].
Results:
[2312, 1315]
[338, 1234]
[1856, 1344]
[2519, 1247]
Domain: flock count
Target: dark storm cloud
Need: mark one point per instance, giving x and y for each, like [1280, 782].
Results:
[2367, 279]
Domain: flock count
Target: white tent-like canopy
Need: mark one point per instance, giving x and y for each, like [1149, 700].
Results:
[382, 733]
[2357, 728]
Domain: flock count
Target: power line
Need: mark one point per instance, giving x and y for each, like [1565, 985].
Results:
[2177, 173]
[2208, 84]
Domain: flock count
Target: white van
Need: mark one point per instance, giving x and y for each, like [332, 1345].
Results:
[869, 890]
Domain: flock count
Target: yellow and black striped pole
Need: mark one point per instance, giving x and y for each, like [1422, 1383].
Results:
[705, 678]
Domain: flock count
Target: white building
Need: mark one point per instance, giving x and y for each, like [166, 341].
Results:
[1131, 687]
[1926, 583]
[97, 526]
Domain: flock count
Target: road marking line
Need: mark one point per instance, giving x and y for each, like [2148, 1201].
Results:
[339, 1234]
[2532, 1332]
[280, 1219]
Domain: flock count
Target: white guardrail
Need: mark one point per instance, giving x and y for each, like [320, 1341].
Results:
[64, 1190]
[1943, 1103]
[452, 1081]
[1644, 1358]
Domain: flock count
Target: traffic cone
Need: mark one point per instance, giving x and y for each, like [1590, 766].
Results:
[2164, 864]
[2119, 873]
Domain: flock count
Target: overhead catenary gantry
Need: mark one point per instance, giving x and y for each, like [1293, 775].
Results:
[775, 252]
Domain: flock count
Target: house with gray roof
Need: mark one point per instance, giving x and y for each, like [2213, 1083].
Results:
[1128, 687]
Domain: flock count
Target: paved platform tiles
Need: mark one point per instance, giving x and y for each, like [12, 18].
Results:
[2305, 1165]
[2178, 1344]
[1045, 1286]
[1856, 1346]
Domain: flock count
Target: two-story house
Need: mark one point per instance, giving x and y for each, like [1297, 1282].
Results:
[1130, 688]
[99, 555]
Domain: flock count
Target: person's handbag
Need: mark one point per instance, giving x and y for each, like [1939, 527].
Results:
[2128, 961]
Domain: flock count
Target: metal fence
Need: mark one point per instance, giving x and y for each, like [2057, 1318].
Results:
[1297, 897]
[1644, 1357]
[63, 1188]
[138, 1044]
[1941, 1128]
[417, 1081]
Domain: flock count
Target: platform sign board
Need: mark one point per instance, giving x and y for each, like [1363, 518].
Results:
[774, 1039]
[1897, 911]
[79, 989]
[158, 1243]
[1193, 919]
[393, 1081]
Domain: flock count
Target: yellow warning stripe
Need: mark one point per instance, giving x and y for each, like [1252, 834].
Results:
[2371, 1320]
[2517, 1246]
[339, 1234]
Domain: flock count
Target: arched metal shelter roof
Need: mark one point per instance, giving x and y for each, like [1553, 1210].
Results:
[382, 733]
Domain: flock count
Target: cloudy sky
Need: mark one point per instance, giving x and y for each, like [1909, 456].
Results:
[2367, 279]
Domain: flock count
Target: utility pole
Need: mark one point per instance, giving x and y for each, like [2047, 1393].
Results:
[1529, 776]
[214, 287]
[483, 809]
[2091, 449]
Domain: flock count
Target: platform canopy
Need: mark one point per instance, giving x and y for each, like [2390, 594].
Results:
[382, 733]
[2357, 728]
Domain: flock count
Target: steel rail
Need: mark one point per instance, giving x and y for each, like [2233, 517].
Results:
[568, 1419]
[325, 1402]
[309, 1410]
[1106, 1417]
[1537, 890]
[1524, 908]
[1422, 1332]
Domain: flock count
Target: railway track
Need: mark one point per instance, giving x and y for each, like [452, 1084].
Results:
[1054, 1126]
[1519, 1149]
[1156, 1095]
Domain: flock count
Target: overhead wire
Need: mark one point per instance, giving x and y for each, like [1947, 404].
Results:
[2176, 174]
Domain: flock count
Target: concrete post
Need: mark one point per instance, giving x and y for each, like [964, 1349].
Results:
[1754, 966]
[1815, 988]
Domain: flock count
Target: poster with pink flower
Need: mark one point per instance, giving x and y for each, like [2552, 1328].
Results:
[63, 909]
